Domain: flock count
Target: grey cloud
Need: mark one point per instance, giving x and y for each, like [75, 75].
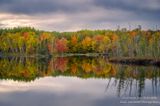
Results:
[136, 5]
[143, 9]
[1, 24]
[41, 6]
[79, 14]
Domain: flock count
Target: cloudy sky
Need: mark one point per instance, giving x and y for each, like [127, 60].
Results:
[71, 15]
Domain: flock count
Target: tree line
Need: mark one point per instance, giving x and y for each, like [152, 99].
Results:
[122, 43]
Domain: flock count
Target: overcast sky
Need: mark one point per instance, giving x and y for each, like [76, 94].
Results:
[72, 15]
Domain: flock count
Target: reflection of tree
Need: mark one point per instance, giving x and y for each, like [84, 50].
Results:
[17, 69]
[83, 67]
[42, 65]
[130, 80]
[127, 78]
[60, 64]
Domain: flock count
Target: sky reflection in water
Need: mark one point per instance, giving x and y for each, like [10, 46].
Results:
[96, 83]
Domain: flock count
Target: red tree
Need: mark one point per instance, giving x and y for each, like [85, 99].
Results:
[61, 45]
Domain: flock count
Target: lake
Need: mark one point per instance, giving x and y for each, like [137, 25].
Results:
[76, 81]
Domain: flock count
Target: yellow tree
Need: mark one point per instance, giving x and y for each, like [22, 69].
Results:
[74, 43]
[87, 44]
[102, 43]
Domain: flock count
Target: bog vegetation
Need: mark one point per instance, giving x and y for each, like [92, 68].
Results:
[122, 43]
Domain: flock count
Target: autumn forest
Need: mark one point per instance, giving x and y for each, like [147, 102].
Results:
[118, 43]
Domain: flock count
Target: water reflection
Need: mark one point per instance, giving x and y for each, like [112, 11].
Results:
[62, 81]
[28, 69]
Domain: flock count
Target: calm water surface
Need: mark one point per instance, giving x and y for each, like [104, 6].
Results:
[77, 81]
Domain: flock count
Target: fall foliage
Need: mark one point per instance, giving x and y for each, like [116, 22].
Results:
[128, 43]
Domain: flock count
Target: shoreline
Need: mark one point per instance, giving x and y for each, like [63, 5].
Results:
[136, 61]
[145, 61]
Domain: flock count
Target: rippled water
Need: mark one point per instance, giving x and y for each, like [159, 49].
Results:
[77, 81]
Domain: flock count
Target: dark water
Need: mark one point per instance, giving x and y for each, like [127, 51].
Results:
[77, 81]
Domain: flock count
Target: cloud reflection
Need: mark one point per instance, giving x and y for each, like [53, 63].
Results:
[60, 91]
